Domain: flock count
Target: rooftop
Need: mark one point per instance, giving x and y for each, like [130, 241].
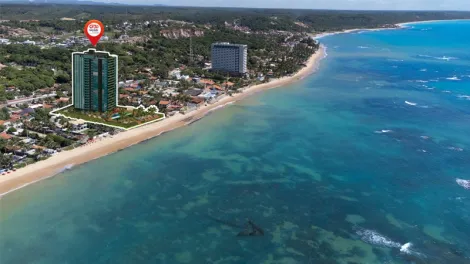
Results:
[5, 135]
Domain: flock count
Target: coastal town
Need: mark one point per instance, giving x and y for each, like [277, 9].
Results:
[263, 132]
[34, 126]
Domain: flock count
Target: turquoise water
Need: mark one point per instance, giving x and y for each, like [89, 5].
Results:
[346, 166]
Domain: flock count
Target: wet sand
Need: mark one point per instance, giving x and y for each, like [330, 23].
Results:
[57, 163]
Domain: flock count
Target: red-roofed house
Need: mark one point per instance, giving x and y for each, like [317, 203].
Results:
[228, 84]
[63, 99]
[163, 103]
[206, 81]
[5, 135]
[14, 117]
[38, 147]
[197, 100]
[217, 87]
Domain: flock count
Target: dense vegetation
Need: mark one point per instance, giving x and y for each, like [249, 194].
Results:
[32, 68]
[256, 19]
[35, 68]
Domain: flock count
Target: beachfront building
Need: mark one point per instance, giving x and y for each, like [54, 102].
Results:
[94, 80]
[229, 58]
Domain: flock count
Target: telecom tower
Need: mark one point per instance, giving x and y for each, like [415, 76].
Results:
[191, 48]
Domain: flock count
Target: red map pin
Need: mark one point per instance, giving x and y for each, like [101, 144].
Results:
[94, 29]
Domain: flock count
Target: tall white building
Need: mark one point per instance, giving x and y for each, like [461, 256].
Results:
[229, 57]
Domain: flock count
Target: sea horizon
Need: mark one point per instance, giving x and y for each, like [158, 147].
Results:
[378, 132]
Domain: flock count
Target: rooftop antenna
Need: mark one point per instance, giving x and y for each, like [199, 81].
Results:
[191, 48]
[125, 27]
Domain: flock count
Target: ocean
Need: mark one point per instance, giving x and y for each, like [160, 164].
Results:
[365, 161]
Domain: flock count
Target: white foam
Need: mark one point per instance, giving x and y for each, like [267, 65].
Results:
[455, 148]
[363, 47]
[464, 96]
[421, 81]
[424, 56]
[437, 58]
[446, 91]
[405, 248]
[463, 183]
[372, 237]
[410, 103]
[423, 70]
[446, 58]
[66, 167]
[454, 78]
[382, 131]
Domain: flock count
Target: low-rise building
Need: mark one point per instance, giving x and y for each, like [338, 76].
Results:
[5, 136]
[193, 92]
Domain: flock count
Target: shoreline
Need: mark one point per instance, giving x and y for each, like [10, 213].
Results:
[399, 26]
[65, 160]
[353, 30]
[428, 22]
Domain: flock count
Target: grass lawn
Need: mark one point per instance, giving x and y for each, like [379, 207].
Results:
[124, 122]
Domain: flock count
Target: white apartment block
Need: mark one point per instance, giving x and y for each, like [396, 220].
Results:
[229, 57]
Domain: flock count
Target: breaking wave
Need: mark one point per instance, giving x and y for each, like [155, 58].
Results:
[382, 131]
[372, 237]
[375, 238]
[455, 149]
[66, 167]
[463, 183]
[464, 96]
[437, 58]
[410, 103]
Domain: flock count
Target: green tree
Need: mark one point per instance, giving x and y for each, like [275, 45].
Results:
[62, 78]
[4, 114]
[3, 94]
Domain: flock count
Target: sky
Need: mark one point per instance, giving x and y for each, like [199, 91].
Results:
[317, 4]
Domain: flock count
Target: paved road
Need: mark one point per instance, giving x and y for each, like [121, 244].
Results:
[25, 100]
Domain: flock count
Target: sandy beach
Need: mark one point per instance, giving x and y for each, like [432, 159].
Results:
[57, 163]
[326, 34]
